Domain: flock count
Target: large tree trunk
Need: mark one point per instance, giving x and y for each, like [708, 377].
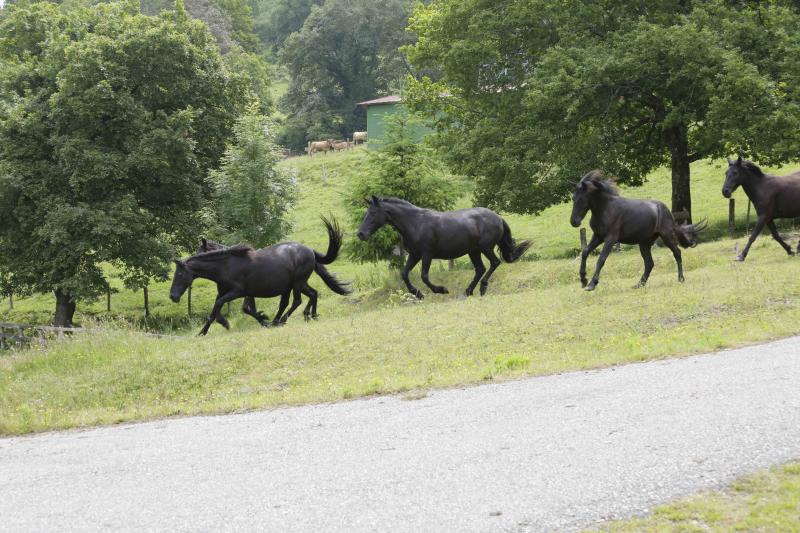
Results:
[65, 309]
[681, 192]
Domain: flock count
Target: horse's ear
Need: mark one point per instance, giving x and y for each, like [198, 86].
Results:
[375, 200]
[367, 201]
[739, 160]
[729, 161]
[204, 243]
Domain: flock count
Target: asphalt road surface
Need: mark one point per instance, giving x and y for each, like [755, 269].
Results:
[553, 453]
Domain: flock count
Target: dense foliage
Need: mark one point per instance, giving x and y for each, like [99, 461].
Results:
[405, 168]
[345, 52]
[541, 91]
[109, 123]
[252, 196]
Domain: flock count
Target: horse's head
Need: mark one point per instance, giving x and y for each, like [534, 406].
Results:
[582, 197]
[181, 281]
[375, 218]
[737, 174]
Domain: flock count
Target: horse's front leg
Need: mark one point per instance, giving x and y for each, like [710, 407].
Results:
[221, 300]
[426, 266]
[593, 243]
[777, 236]
[411, 262]
[760, 223]
[607, 247]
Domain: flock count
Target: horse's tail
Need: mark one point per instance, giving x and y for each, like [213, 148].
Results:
[687, 233]
[334, 242]
[510, 249]
[330, 280]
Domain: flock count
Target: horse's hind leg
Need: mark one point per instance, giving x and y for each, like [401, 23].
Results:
[281, 307]
[672, 245]
[494, 262]
[475, 257]
[311, 307]
[646, 248]
[295, 304]
[777, 236]
[249, 308]
[426, 266]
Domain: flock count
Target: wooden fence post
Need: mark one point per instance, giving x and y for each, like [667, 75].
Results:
[451, 264]
[747, 218]
[583, 239]
[11, 300]
[732, 217]
[108, 299]
[189, 300]
[146, 303]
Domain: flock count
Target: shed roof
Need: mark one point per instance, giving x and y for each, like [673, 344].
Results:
[391, 99]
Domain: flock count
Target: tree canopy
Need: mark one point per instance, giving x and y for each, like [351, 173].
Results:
[345, 52]
[540, 92]
[109, 123]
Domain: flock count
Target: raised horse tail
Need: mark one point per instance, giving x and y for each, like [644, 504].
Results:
[330, 280]
[510, 249]
[334, 242]
[687, 233]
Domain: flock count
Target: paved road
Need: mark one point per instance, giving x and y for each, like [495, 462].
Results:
[558, 452]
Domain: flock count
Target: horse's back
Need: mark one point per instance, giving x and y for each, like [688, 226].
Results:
[786, 195]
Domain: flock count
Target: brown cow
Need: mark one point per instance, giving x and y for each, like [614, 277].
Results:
[320, 146]
[340, 145]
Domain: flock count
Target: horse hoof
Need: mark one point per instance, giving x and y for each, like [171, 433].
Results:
[584, 283]
[590, 287]
[467, 293]
[639, 285]
[314, 317]
[419, 295]
[740, 258]
[442, 290]
[681, 279]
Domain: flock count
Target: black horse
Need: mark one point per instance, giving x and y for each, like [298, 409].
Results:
[773, 197]
[241, 271]
[617, 219]
[428, 235]
[249, 304]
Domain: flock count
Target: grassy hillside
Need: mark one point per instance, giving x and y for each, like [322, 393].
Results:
[535, 320]
[323, 183]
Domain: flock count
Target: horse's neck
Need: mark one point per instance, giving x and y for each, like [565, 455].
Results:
[599, 203]
[754, 188]
[208, 269]
[404, 218]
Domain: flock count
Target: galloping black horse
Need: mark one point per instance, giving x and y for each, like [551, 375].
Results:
[617, 219]
[428, 235]
[773, 197]
[241, 271]
[249, 304]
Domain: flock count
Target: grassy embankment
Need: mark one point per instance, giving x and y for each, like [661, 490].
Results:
[767, 501]
[535, 320]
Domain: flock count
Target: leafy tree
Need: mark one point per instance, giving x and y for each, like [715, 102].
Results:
[345, 52]
[275, 20]
[256, 72]
[543, 91]
[109, 123]
[402, 167]
[252, 195]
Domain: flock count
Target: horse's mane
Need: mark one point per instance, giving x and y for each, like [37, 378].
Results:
[397, 201]
[598, 179]
[238, 250]
[752, 167]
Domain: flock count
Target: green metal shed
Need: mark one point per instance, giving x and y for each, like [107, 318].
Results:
[377, 111]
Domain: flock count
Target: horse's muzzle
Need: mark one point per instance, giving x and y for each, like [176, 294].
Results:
[726, 193]
[174, 298]
[362, 236]
[574, 223]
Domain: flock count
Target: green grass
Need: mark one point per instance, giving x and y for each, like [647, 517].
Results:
[534, 321]
[768, 501]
